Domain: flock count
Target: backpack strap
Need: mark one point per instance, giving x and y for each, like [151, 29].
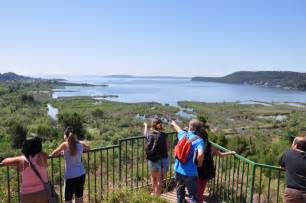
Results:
[184, 134]
[155, 137]
[194, 139]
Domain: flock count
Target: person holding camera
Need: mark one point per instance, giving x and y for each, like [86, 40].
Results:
[207, 171]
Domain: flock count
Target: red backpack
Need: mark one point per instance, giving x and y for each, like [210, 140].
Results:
[183, 147]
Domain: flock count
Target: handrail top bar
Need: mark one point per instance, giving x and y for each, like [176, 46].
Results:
[102, 148]
[268, 166]
[141, 136]
[91, 150]
[236, 155]
[214, 144]
[131, 138]
[245, 159]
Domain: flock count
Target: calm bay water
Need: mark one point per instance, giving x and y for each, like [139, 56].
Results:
[172, 90]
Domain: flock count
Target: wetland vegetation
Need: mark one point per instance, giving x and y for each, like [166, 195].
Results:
[250, 129]
[258, 131]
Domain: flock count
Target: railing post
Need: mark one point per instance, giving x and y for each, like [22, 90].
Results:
[88, 168]
[8, 185]
[252, 182]
[18, 184]
[120, 164]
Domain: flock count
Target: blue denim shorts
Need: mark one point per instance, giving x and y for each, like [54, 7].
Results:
[159, 165]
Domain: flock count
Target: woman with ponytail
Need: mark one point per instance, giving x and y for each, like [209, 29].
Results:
[72, 150]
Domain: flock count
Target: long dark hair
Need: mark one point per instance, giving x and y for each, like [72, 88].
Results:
[156, 124]
[204, 135]
[32, 146]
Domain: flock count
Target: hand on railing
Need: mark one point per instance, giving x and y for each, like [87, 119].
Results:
[145, 131]
[86, 148]
[56, 155]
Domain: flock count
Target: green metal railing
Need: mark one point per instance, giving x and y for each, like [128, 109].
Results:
[107, 169]
[124, 166]
[241, 180]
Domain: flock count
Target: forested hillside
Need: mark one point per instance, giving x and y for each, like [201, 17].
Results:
[13, 77]
[278, 79]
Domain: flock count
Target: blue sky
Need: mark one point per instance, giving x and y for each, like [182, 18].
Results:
[160, 37]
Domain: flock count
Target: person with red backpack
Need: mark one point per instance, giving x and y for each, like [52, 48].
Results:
[186, 174]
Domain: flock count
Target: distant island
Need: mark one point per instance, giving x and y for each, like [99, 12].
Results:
[13, 77]
[119, 76]
[146, 77]
[276, 79]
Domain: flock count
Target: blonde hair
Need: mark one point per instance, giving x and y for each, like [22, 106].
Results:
[72, 144]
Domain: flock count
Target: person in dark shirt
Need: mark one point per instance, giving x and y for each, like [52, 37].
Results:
[207, 171]
[294, 162]
[156, 148]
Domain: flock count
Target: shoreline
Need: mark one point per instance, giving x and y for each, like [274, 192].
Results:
[101, 98]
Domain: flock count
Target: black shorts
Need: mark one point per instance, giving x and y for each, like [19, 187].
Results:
[74, 186]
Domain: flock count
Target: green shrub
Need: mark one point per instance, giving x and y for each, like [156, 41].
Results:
[3, 90]
[46, 132]
[27, 99]
[239, 144]
[98, 113]
[19, 134]
[139, 196]
[73, 120]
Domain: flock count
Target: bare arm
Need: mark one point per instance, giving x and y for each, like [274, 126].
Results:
[176, 127]
[12, 161]
[216, 152]
[200, 158]
[59, 149]
[86, 147]
[145, 130]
